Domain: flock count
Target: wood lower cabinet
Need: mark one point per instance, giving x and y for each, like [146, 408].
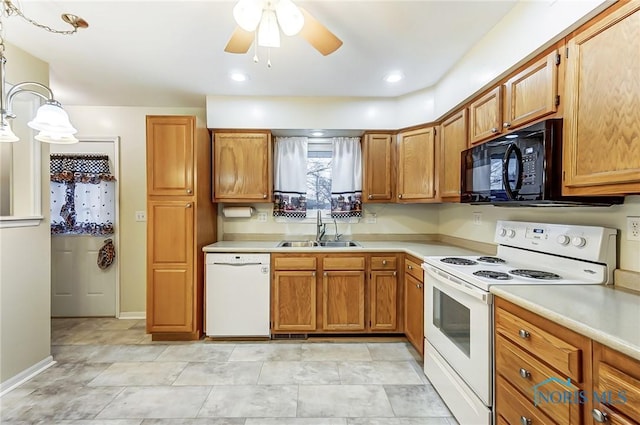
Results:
[453, 140]
[343, 300]
[485, 116]
[294, 300]
[601, 127]
[180, 222]
[414, 303]
[242, 170]
[417, 165]
[378, 151]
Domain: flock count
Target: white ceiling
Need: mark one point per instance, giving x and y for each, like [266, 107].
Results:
[170, 53]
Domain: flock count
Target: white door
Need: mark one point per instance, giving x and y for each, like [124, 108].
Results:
[78, 286]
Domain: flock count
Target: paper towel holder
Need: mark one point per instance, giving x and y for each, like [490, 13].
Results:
[238, 212]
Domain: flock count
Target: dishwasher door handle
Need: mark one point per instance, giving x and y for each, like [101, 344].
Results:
[237, 264]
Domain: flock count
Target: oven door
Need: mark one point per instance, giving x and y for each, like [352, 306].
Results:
[458, 326]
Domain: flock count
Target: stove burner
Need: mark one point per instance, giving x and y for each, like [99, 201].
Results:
[490, 260]
[535, 274]
[490, 274]
[458, 261]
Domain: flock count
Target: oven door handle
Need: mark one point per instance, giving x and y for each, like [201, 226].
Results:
[512, 193]
[458, 284]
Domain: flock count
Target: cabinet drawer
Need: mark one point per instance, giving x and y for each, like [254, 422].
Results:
[343, 263]
[383, 263]
[414, 269]
[515, 409]
[294, 263]
[564, 357]
[620, 390]
[524, 372]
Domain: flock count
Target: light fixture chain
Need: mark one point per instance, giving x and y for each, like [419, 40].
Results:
[10, 9]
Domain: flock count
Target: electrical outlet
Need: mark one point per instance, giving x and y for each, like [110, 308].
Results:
[141, 216]
[633, 228]
[477, 218]
[370, 218]
[262, 217]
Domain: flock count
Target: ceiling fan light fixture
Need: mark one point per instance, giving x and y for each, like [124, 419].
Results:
[57, 139]
[394, 77]
[51, 118]
[6, 134]
[247, 14]
[290, 17]
[268, 31]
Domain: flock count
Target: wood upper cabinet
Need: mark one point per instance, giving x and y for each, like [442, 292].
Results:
[383, 294]
[294, 300]
[453, 140]
[532, 93]
[414, 303]
[602, 90]
[485, 116]
[417, 155]
[170, 156]
[242, 167]
[379, 167]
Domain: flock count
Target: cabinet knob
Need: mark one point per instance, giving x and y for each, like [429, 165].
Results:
[494, 130]
[188, 205]
[264, 196]
[418, 285]
[400, 195]
[599, 416]
[506, 125]
[370, 197]
[313, 274]
[410, 267]
[524, 334]
[189, 191]
[525, 373]
[384, 262]
[324, 274]
[395, 274]
[525, 421]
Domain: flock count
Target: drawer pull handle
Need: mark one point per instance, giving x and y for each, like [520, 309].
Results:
[370, 196]
[524, 334]
[599, 416]
[410, 267]
[494, 129]
[395, 274]
[525, 373]
[525, 420]
[384, 262]
[189, 191]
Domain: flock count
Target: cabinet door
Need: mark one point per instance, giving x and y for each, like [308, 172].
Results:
[242, 167]
[378, 151]
[485, 117]
[293, 297]
[170, 277]
[532, 93]
[601, 125]
[343, 300]
[383, 301]
[416, 165]
[453, 140]
[170, 141]
[414, 312]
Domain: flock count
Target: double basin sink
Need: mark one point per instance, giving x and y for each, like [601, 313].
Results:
[318, 244]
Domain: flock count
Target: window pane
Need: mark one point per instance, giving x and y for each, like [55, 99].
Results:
[319, 177]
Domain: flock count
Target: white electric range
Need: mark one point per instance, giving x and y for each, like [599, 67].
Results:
[458, 306]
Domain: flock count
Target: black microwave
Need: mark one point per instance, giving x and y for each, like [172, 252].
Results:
[522, 168]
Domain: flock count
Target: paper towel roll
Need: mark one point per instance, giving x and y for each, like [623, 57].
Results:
[237, 212]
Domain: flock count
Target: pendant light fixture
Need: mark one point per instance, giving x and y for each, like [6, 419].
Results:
[51, 120]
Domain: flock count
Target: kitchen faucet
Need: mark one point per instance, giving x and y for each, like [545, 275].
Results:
[320, 228]
[336, 237]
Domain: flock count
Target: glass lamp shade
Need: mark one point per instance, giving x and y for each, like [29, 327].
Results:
[268, 32]
[6, 134]
[290, 17]
[247, 14]
[52, 119]
[59, 139]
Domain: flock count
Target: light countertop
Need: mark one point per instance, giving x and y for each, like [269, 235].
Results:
[604, 314]
[417, 249]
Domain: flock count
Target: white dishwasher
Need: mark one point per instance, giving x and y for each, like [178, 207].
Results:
[237, 295]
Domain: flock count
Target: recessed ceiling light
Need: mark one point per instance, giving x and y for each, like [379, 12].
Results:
[394, 77]
[238, 76]
[317, 133]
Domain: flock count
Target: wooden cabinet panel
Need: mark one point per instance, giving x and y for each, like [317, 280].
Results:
[170, 155]
[170, 300]
[485, 116]
[417, 165]
[531, 94]
[453, 140]
[242, 167]
[413, 268]
[414, 311]
[383, 263]
[343, 301]
[170, 246]
[293, 296]
[294, 263]
[516, 409]
[383, 300]
[343, 263]
[601, 126]
[379, 167]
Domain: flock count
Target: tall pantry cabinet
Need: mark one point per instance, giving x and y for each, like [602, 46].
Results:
[181, 220]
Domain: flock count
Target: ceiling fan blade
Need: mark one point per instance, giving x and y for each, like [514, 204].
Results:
[240, 41]
[318, 35]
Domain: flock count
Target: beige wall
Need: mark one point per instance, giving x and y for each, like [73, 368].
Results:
[129, 124]
[25, 283]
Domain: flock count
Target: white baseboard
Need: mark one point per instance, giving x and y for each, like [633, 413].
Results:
[138, 315]
[25, 375]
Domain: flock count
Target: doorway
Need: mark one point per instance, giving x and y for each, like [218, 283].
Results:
[79, 287]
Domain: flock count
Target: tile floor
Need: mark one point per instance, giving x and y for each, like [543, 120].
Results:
[109, 372]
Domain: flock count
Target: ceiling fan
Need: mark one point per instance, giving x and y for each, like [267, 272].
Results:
[262, 20]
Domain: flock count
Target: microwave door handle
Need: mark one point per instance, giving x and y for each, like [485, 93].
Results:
[457, 285]
[512, 193]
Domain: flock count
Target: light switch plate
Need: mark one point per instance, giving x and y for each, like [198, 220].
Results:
[262, 217]
[477, 218]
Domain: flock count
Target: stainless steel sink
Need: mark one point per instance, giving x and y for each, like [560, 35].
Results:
[316, 244]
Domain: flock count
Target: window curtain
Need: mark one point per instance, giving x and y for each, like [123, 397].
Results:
[290, 177]
[346, 178]
[82, 195]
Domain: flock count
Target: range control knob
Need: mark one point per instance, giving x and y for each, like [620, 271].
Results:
[511, 233]
[563, 240]
[503, 232]
[578, 241]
